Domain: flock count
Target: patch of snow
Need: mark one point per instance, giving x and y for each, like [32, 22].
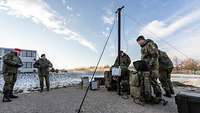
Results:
[30, 82]
[187, 79]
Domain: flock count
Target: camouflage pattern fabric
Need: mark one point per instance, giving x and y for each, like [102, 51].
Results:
[150, 54]
[11, 63]
[43, 66]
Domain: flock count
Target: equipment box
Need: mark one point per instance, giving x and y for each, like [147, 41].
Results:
[188, 102]
[94, 85]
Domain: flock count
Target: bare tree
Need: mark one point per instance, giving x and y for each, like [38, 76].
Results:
[176, 63]
[191, 64]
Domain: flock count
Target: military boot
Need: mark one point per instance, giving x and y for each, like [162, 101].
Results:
[12, 95]
[6, 97]
[167, 94]
[41, 89]
[48, 88]
[172, 91]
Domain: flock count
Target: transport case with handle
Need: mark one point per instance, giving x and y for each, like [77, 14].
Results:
[188, 102]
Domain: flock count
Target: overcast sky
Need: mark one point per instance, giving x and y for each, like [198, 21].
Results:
[72, 32]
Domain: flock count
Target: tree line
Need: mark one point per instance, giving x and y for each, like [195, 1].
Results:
[187, 66]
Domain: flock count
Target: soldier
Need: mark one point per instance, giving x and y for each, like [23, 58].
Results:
[11, 63]
[124, 64]
[43, 66]
[165, 69]
[149, 54]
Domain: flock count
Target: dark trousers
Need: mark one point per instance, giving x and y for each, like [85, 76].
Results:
[41, 78]
[10, 80]
[165, 79]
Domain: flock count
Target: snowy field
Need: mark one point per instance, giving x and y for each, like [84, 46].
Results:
[188, 79]
[30, 82]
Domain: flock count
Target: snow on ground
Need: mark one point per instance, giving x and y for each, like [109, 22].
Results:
[30, 82]
[187, 79]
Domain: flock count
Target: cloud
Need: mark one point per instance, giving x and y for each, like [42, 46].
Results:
[69, 8]
[105, 34]
[64, 1]
[187, 42]
[40, 12]
[108, 17]
[163, 28]
[183, 28]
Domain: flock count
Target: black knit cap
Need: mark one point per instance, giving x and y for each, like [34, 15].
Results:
[141, 37]
[43, 55]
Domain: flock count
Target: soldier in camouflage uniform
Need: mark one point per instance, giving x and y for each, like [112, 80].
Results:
[149, 53]
[165, 69]
[124, 64]
[11, 63]
[43, 66]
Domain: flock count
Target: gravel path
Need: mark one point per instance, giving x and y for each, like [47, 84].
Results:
[67, 100]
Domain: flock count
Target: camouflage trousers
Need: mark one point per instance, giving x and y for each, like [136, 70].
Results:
[41, 78]
[10, 79]
[125, 73]
[156, 87]
[165, 79]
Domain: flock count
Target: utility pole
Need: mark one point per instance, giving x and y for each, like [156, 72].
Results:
[119, 46]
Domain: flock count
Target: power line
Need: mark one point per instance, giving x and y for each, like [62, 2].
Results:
[146, 29]
[108, 37]
[141, 24]
[123, 27]
[124, 34]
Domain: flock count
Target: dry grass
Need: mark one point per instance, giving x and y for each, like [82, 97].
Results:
[90, 69]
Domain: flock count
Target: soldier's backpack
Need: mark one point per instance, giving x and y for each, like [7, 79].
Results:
[146, 91]
[134, 85]
[143, 76]
[110, 84]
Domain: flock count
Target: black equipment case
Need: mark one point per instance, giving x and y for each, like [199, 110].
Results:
[140, 65]
[188, 102]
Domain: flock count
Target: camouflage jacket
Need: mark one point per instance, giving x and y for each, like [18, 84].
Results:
[124, 61]
[43, 66]
[149, 53]
[164, 61]
[11, 63]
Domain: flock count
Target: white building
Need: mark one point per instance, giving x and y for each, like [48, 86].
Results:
[28, 58]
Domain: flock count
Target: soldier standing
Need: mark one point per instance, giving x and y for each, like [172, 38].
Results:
[165, 69]
[149, 54]
[43, 65]
[124, 64]
[11, 63]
